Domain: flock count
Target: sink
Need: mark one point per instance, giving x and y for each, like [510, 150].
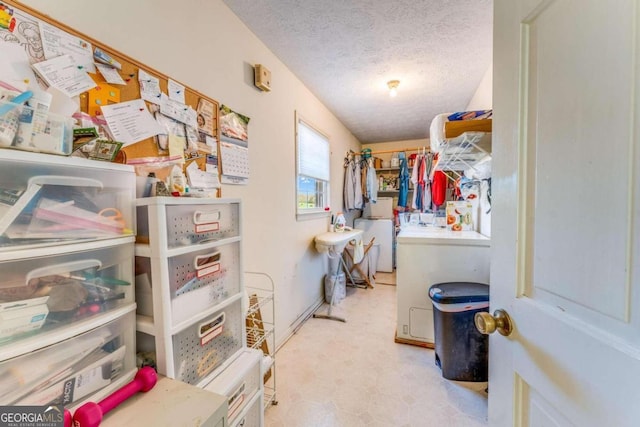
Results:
[334, 242]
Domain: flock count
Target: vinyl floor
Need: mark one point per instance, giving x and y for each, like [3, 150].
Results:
[353, 374]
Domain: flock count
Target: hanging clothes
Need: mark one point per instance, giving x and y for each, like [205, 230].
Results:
[438, 188]
[415, 199]
[421, 199]
[426, 197]
[421, 183]
[352, 185]
[372, 183]
[414, 181]
[364, 169]
[403, 180]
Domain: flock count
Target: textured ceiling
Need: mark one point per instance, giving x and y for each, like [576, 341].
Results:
[346, 50]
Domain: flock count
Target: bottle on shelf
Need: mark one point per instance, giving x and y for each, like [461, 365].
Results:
[395, 161]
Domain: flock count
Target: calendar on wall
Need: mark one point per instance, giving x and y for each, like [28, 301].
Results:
[234, 146]
[235, 160]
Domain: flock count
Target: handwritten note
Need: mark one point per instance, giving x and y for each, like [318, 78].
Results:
[178, 111]
[130, 122]
[149, 87]
[110, 74]
[176, 91]
[62, 72]
[56, 42]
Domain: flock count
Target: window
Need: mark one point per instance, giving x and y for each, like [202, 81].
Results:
[312, 169]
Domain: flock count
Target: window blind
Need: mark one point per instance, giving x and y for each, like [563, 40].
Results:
[313, 153]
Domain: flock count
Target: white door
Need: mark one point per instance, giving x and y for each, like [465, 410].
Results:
[566, 214]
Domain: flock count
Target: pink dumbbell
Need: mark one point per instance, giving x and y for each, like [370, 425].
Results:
[90, 414]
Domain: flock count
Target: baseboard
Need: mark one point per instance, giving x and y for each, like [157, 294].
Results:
[413, 342]
[297, 324]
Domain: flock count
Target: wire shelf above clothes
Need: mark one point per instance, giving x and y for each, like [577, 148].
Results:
[463, 152]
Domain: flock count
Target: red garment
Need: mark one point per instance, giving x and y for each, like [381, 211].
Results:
[438, 188]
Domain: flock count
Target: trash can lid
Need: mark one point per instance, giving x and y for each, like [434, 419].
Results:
[459, 292]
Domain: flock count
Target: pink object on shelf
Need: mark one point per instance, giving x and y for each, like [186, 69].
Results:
[90, 414]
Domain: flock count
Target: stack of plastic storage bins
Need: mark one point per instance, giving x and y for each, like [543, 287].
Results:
[189, 286]
[67, 310]
[191, 300]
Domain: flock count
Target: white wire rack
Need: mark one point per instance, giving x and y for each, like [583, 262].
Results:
[261, 327]
[463, 152]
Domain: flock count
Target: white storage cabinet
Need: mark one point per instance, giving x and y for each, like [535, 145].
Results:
[67, 323]
[189, 285]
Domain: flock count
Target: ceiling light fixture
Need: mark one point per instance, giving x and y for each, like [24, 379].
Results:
[393, 87]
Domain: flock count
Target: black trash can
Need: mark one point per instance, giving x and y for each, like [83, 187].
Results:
[461, 351]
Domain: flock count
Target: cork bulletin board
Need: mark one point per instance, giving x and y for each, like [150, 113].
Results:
[26, 32]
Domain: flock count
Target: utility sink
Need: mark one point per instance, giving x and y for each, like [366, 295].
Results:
[334, 242]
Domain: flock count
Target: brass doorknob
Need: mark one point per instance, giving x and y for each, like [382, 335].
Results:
[487, 324]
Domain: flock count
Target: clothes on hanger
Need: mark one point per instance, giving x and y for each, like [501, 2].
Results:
[421, 185]
[363, 180]
[352, 184]
[416, 178]
[426, 197]
[403, 180]
[372, 182]
[439, 188]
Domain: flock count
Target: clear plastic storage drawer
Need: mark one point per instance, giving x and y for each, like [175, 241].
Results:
[27, 128]
[197, 281]
[192, 223]
[44, 293]
[201, 348]
[72, 370]
[45, 201]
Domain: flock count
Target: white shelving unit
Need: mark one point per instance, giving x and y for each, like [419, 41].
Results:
[66, 298]
[189, 285]
[261, 328]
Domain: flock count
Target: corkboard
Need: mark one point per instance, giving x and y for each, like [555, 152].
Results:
[128, 92]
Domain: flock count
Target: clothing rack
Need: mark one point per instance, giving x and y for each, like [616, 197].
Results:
[417, 149]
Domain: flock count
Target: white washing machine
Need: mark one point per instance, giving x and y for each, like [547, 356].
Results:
[384, 232]
[427, 256]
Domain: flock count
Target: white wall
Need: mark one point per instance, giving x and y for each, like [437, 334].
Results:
[483, 98]
[205, 46]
